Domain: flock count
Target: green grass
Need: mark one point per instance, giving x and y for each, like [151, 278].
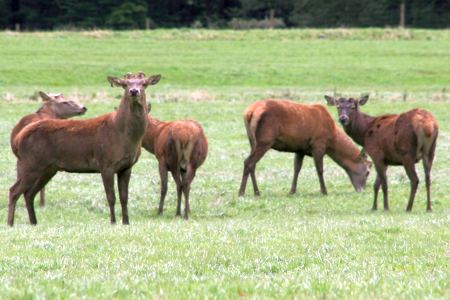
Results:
[360, 60]
[275, 246]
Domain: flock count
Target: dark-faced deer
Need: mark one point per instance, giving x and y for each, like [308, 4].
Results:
[109, 144]
[401, 139]
[181, 148]
[55, 106]
[304, 130]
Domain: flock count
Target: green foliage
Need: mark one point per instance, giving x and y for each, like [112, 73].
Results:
[4, 11]
[129, 15]
[350, 13]
[48, 14]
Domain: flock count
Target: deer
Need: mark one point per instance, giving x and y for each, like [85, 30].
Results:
[391, 140]
[303, 129]
[55, 106]
[109, 144]
[180, 147]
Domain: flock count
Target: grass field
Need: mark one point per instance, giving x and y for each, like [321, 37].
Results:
[275, 246]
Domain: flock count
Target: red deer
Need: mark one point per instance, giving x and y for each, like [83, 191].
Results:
[304, 130]
[109, 144]
[391, 139]
[181, 148]
[55, 107]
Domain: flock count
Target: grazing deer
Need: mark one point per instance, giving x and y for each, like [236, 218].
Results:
[109, 144]
[305, 130]
[401, 139]
[181, 148]
[55, 107]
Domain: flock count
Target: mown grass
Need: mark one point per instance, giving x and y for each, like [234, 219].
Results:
[275, 246]
[359, 60]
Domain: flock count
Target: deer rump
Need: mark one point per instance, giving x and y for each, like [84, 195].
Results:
[288, 129]
[184, 141]
[410, 133]
[422, 136]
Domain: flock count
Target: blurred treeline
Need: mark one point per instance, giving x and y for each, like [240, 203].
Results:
[237, 14]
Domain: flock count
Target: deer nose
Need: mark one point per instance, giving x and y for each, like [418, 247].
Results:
[134, 92]
[343, 120]
[84, 109]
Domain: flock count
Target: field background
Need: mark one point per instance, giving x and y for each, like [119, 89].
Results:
[275, 246]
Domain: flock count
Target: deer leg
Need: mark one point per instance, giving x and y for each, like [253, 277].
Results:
[318, 161]
[42, 197]
[427, 164]
[376, 189]
[29, 201]
[244, 178]
[381, 174]
[123, 180]
[250, 166]
[163, 177]
[252, 172]
[177, 178]
[14, 193]
[254, 183]
[25, 180]
[30, 194]
[410, 169]
[187, 180]
[108, 184]
[183, 179]
[298, 161]
[427, 169]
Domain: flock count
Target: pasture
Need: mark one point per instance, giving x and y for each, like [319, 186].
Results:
[276, 246]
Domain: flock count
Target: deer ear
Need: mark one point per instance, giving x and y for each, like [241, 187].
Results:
[330, 100]
[152, 80]
[44, 96]
[114, 81]
[363, 99]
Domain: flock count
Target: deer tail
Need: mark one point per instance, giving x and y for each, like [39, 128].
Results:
[251, 123]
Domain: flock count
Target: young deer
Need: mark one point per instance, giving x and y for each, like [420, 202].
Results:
[109, 144]
[304, 130]
[55, 107]
[401, 139]
[181, 148]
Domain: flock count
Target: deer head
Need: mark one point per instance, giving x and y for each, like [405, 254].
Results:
[134, 84]
[347, 108]
[61, 107]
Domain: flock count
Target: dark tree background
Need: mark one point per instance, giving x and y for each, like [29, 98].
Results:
[134, 14]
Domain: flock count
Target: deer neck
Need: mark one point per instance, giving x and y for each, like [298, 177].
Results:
[357, 129]
[154, 127]
[131, 118]
[46, 112]
[344, 152]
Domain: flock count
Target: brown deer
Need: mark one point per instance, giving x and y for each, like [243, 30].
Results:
[55, 106]
[393, 139]
[109, 144]
[181, 148]
[305, 130]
